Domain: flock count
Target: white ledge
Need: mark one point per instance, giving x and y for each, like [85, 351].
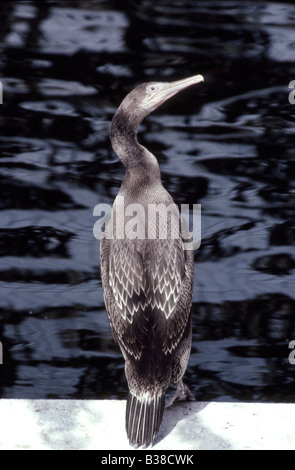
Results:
[99, 424]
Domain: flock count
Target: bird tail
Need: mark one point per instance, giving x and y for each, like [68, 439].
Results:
[143, 418]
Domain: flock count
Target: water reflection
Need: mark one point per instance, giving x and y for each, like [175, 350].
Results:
[65, 67]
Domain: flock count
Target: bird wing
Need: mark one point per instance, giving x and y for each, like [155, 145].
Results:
[147, 289]
[169, 288]
[124, 292]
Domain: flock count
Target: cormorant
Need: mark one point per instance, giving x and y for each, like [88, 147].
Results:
[147, 275]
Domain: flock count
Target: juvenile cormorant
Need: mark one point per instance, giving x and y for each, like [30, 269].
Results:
[147, 275]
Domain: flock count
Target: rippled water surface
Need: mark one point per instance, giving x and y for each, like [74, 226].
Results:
[227, 144]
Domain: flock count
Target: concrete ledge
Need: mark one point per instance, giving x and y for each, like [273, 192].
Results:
[99, 424]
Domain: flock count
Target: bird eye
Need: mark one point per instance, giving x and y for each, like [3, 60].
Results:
[152, 88]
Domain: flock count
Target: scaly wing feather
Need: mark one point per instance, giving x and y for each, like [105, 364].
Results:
[147, 289]
[169, 287]
[124, 291]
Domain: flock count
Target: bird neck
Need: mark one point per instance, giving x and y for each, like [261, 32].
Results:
[133, 155]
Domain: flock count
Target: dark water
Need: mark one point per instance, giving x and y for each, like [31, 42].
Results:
[227, 145]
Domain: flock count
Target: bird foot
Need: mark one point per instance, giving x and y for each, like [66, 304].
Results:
[182, 393]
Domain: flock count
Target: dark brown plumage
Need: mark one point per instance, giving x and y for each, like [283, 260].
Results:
[147, 281]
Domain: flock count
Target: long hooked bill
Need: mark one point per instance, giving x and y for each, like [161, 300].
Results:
[164, 91]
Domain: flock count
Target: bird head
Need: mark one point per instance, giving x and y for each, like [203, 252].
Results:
[147, 97]
[135, 107]
[156, 93]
